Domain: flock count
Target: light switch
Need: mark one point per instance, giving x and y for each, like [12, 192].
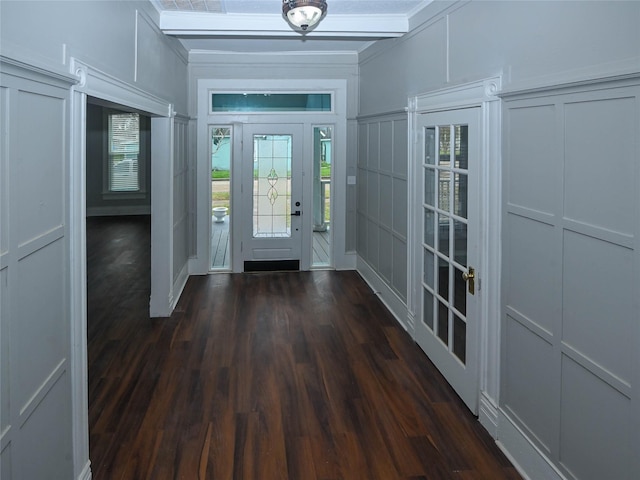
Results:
[351, 179]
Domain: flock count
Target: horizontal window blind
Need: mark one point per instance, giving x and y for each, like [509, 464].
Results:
[124, 149]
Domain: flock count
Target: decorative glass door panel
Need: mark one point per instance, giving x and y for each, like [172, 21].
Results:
[272, 192]
[272, 186]
[446, 330]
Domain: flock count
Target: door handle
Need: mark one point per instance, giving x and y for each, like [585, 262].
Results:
[297, 213]
[470, 277]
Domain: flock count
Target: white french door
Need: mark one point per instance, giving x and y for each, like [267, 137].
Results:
[447, 317]
[272, 197]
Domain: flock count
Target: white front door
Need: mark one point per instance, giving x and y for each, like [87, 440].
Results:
[272, 197]
[447, 324]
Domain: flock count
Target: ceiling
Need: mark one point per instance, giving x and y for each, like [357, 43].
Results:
[259, 26]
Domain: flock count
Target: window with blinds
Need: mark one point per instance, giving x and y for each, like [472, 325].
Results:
[124, 150]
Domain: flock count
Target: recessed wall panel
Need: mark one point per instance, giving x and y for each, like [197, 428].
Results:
[385, 193]
[598, 302]
[38, 326]
[363, 143]
[372, 243]
[386, 248]
[600, 160]
[46, 438]
[400, 267]
[40, 163]
[596, 440]
[400, 207]
[400, 152]
[386, 146]
[373, 149]
[362, 191]
[5, 349]
[373, 195]
[533, 158]
[529, 389]
[531, 261]
[4, 172]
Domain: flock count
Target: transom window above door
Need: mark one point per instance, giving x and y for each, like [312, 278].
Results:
[267, 102]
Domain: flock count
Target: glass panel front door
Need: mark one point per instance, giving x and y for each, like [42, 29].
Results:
[272, 192]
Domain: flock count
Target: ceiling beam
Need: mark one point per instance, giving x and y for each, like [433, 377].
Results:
[227, 24]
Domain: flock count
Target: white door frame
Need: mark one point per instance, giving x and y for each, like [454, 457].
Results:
[96, 83]
[481, 94]
[337, 118]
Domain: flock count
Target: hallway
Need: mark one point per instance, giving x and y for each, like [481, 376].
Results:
[263, 376]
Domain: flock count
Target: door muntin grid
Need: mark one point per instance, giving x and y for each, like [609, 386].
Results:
[444, 243]
[272, 186]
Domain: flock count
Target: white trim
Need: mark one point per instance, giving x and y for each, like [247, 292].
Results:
[387, 296]
[106, 87]
[78, 284]
[260, 25]
[488, 414]
[529, 460]
[623, 70]
[85, 473]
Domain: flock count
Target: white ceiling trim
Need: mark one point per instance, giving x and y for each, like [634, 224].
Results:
[341, 26]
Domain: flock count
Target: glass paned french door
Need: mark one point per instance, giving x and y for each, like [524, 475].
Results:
[448, 238]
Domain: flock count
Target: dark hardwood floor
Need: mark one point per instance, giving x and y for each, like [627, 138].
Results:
[296, 376]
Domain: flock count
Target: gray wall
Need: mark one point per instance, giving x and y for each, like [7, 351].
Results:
[531, 44]
[43, 417]
[97, 202]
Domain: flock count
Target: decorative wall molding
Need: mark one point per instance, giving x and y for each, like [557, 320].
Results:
[559, 83]
[16, 67]
[96, 83]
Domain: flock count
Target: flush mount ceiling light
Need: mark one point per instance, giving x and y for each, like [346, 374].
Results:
[303, 14]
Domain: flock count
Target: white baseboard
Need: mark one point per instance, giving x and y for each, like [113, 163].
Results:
[528, 459]
[389, 298]
[488, 414]
[180, 283]
[85, 474]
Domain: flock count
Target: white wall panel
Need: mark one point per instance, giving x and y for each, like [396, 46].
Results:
[41, 165]
[400, 147]
[42, 434]
[35, 325]
[529, 389]
[592, 413]
[531, 270]
[40, 326]
[533, 158]
[385, 187]
[4, 173]
[386, 147]
[571, 270]
[399, 282]
[385, 268]
[599, 157]
[599, 324]
[400, 207]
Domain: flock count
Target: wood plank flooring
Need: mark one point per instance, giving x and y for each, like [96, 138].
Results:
[287, 376]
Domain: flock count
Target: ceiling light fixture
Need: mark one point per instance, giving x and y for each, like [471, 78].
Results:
[303, 14]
